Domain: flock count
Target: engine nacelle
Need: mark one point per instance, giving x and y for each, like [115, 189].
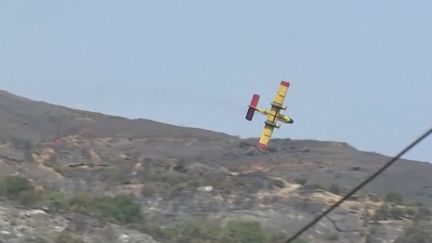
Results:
[272, 124]
[278, 106]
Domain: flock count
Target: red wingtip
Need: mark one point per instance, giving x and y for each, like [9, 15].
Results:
[285, 83]
[263, 146]
[255, 100]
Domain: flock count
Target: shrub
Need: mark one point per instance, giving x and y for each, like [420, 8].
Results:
[396, 213]
[278, 183]
[335, 189]
[121, 208]
[393, 197]
[54, 200]
[14, 186]
[373, 197]
[386, 212]
[66, 237]
[200, 229]
[18, 188]
[247, 232]
[410, 212]
[416, 234]
[332, 237]
[28, 198]
[422, 214]
[80, 203]
[299, 241]
[193, 231]
[382, 213]
[301, 180]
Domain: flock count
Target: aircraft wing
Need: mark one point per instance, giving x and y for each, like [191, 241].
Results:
[265, 136]
[281, 93]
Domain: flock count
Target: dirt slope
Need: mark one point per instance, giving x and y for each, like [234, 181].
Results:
[176, 173]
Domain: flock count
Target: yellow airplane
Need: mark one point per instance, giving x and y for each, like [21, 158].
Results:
[273, 115]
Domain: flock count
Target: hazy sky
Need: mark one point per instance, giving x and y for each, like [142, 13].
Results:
[360, 71]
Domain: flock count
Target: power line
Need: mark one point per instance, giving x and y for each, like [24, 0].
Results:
[353, 191]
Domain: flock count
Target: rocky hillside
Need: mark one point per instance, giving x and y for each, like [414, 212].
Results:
[77, 176]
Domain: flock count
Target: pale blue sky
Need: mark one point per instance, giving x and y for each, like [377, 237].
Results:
[360, 71]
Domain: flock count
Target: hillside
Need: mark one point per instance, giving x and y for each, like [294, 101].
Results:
[79, 164]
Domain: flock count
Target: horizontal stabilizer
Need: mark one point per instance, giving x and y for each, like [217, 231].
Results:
[252, 106]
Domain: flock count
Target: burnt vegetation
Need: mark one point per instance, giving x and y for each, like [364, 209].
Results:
[191, 185]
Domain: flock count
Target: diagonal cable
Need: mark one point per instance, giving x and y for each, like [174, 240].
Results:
[361, 185]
